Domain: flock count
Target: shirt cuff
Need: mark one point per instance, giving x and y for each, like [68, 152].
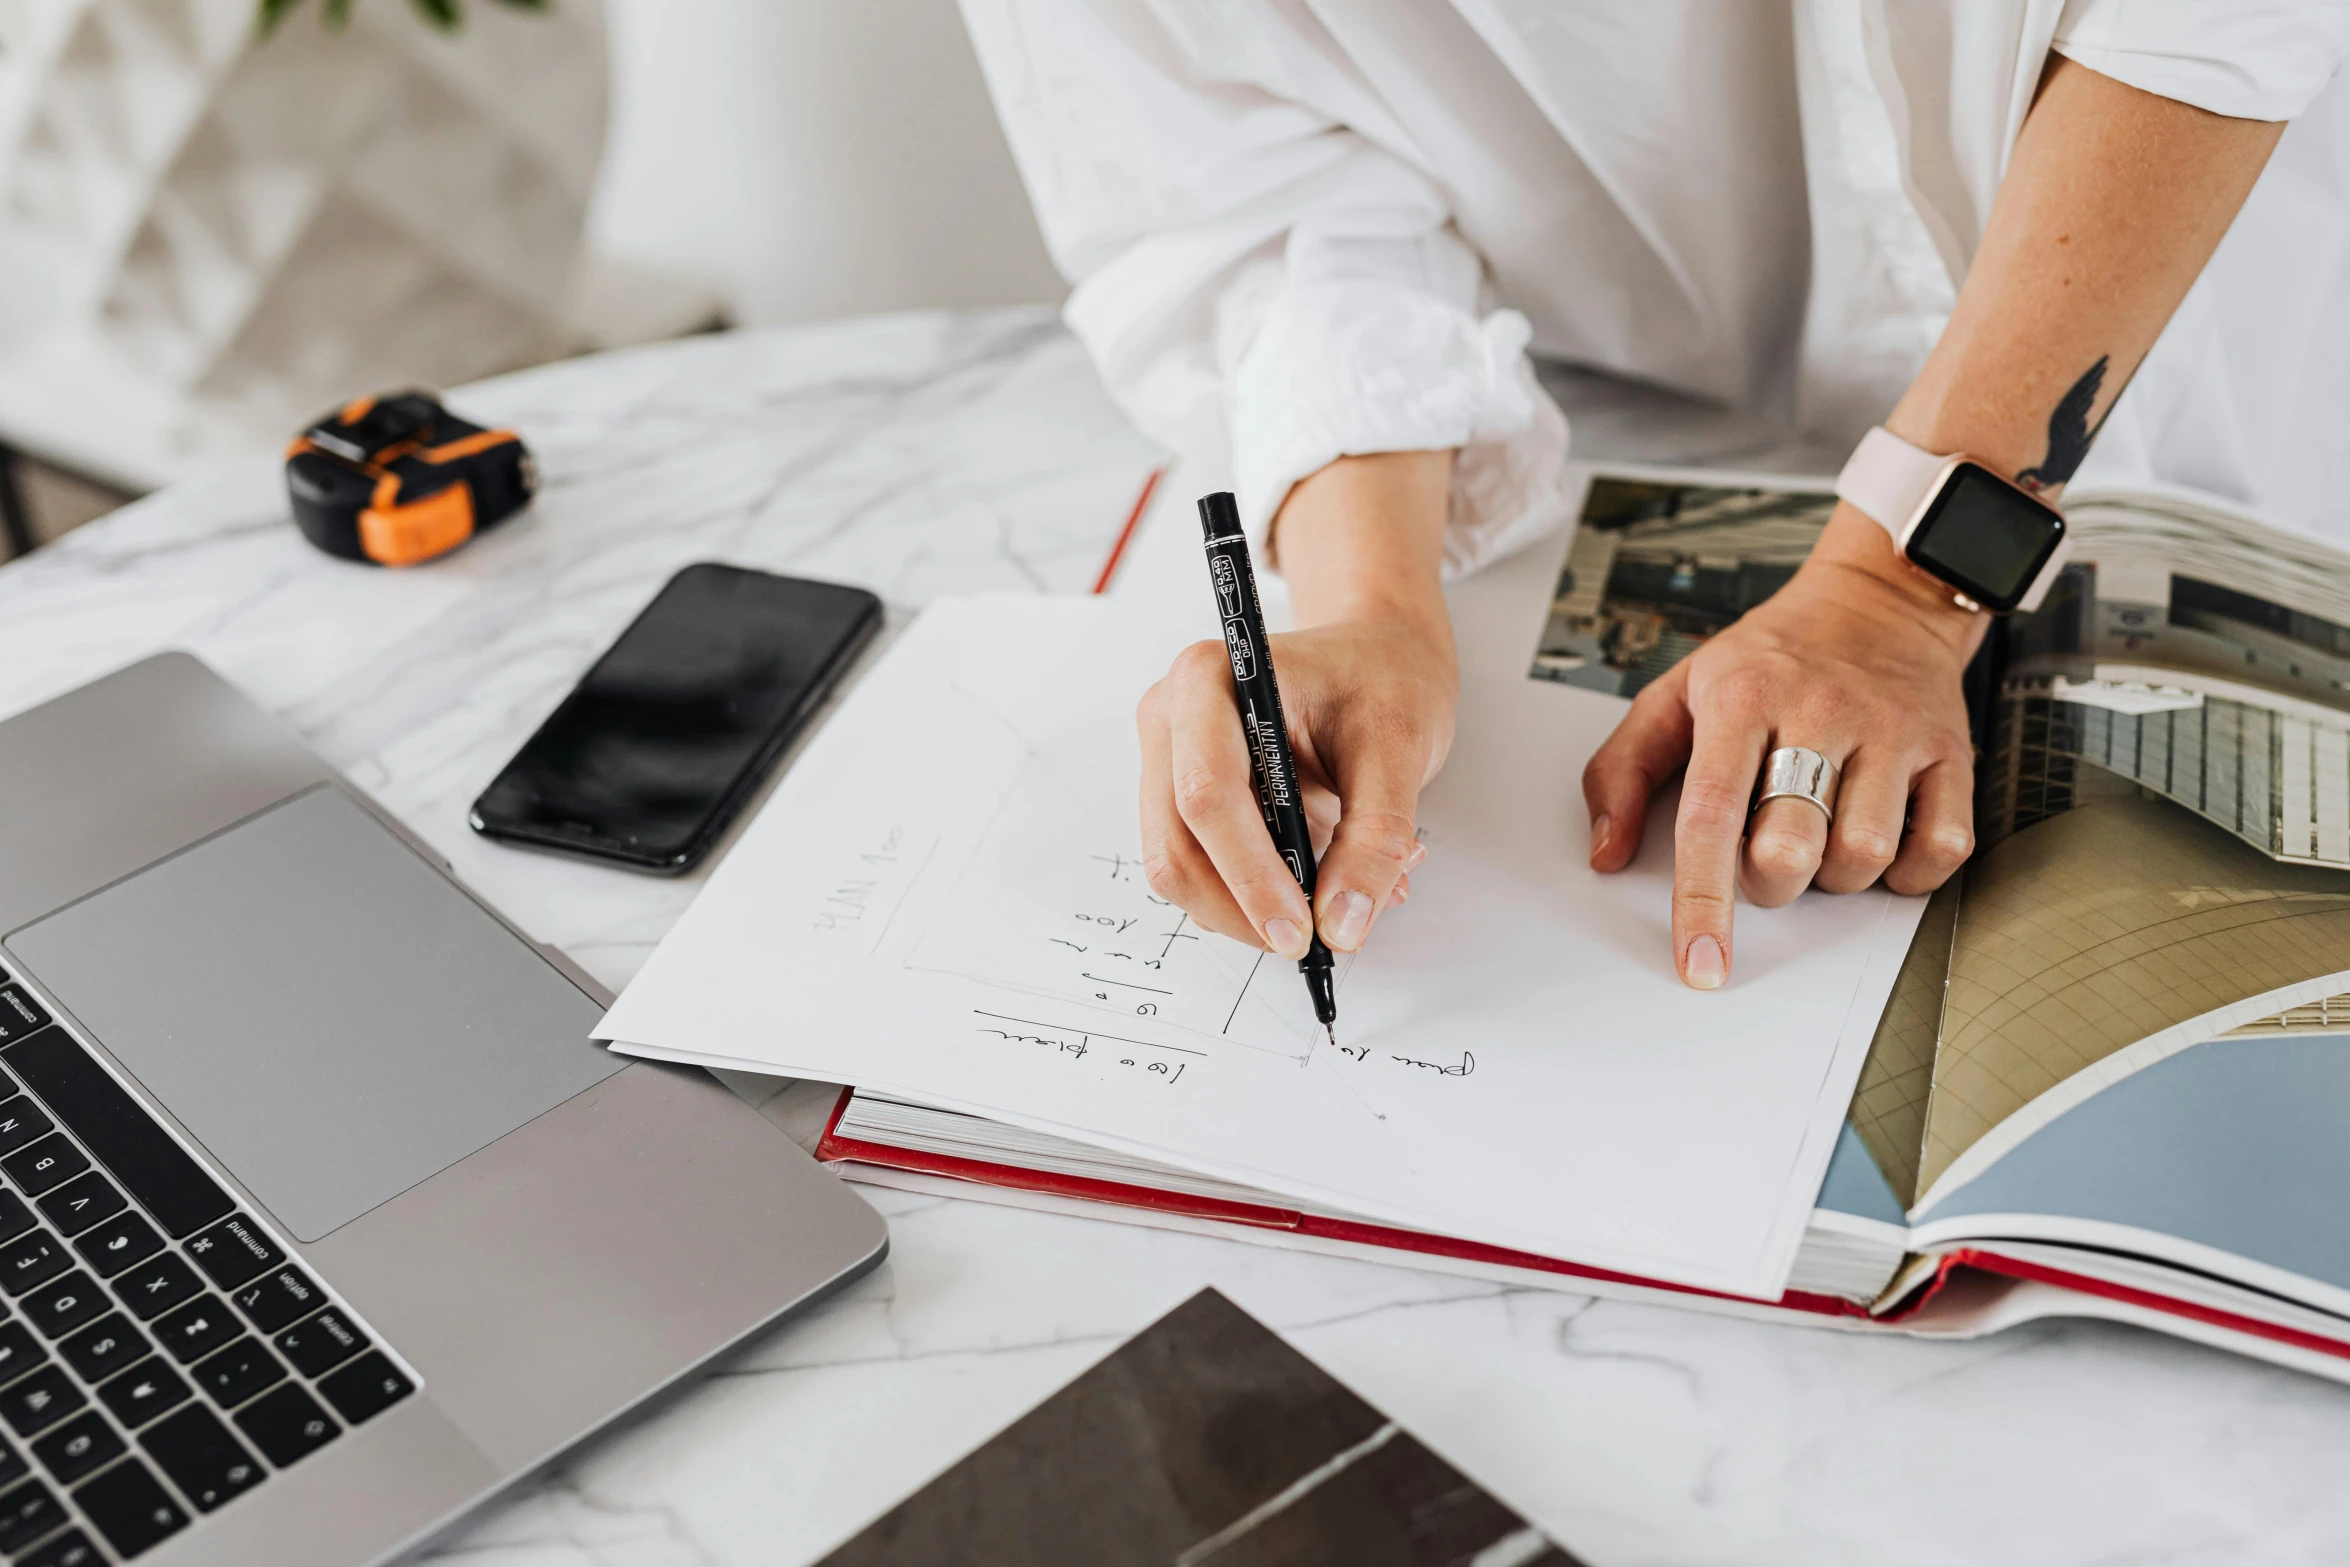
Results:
[1349, 368]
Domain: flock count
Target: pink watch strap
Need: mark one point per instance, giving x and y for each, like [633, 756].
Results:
[1887, 479]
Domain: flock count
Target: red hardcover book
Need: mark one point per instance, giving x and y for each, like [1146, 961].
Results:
[1959, 1290]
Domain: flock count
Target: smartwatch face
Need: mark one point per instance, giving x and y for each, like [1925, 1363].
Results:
[1985, 537]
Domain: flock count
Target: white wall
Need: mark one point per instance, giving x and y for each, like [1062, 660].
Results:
[813, 158]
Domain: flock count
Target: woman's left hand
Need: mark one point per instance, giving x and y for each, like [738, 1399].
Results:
[1859, 658]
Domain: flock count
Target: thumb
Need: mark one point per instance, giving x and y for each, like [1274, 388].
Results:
[1372, 847]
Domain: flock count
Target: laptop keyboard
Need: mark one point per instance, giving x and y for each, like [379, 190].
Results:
[159, 1354]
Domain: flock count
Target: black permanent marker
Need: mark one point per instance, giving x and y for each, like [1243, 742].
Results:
[1269, 756]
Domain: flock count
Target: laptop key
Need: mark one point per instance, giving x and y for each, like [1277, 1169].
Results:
[15, 1217]
[31, 1260]
[120, 1241]
[20, 1015]
[19, 1351]
[104, 1347]
[238, 1372]
[198, 1328]
[321, 1344]
[233, 1252]
[82, 1202]
[82, 1446]
[160, 1175]
[287, 1424]
[27, 1512]
[130, 1507]
[70, 1549]
[209, 1465]
[33, 1404]
[280, 1298]
[366, 1387]
[12, 1466]
[143, 1392]
[153, 1287]
[57, 1309]
[20, 1122]
[50, 1162]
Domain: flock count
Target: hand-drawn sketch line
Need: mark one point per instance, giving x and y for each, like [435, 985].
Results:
[1126, 984]
[904, 893]
[1242, 994]
[1086, 1033]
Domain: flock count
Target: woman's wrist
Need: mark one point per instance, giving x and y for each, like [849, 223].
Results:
[1853, 548]
[1363, 540]
[1416, 607]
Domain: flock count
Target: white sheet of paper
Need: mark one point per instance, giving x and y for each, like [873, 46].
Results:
[944, 901]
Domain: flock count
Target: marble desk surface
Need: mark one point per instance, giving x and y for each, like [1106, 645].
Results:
[927, 454]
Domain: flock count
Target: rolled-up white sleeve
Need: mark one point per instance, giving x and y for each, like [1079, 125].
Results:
[1262, 273]
[2252, 59]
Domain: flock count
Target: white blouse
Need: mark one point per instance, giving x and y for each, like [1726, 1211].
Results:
[1299, 229]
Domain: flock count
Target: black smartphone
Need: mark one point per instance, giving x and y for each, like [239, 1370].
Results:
[659, 744]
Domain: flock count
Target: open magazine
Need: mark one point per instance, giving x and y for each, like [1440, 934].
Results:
[2119, 1051]
[2114, 1075]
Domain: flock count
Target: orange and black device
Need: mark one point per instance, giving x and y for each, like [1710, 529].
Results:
[399, 479]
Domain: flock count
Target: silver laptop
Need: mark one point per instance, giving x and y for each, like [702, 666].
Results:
[321, 1217]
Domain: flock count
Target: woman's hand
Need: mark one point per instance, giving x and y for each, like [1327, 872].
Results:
[1367, 685]
[1370, 708]
[2112, 201]
[1858, 658]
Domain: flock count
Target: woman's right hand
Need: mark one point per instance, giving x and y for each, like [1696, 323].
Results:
[1370, 709]
[1368, 682]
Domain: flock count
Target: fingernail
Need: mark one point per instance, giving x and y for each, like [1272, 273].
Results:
[1599, 831]
[1419, 853]
[1284, 937]
[1350, 917]
[1397, 897]
[1703, 969]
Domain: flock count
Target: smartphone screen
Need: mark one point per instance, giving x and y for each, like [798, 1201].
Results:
[658, 745]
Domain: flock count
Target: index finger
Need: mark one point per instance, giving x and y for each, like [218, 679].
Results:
[1723, 759]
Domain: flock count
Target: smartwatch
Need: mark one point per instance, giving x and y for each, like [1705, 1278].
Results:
[1993, 543]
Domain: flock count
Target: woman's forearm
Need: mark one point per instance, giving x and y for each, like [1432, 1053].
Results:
[2112, 203]
[2113, 200]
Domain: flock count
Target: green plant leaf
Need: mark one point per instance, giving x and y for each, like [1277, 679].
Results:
[271, 13]
[442, 14]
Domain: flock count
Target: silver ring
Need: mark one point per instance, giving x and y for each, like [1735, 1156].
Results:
[1798, 772]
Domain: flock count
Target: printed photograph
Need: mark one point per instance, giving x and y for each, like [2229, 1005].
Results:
[1657, 568]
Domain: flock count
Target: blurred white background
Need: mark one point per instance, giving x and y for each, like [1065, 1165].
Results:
[784, 160]
[812, 158]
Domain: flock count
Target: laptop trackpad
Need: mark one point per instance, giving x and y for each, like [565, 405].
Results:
[329, 1015]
